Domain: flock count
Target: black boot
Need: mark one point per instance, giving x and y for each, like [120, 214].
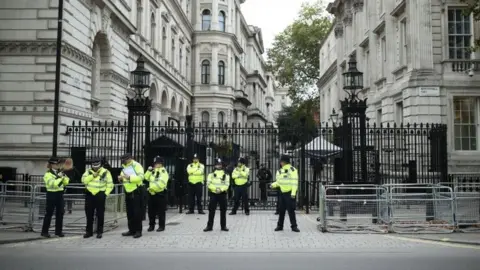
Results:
[225, 229]
[295, 229]
[46, 235]
[151, 228]
[99, 235]
[201, 212]
[128, 233]
[277, 229]
[161, 229]
[137, 235]
[208, 229]
[87, 235]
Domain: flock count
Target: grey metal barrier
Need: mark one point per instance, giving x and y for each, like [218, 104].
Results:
[16, 200]
[467, 207]
[421, 208]
[353, 208]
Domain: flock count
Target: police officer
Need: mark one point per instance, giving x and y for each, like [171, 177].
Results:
[287, 180]
[195, 171]
[131, 177]
[240, 176]
[99, 184]
[217, 182]
[157, 178]
[55, 182]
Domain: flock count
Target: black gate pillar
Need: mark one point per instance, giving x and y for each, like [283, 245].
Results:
[189, 133]
[139, 107]
[304, 185]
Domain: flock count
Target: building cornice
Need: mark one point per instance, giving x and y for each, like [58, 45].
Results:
[329, 73]
[45, 48]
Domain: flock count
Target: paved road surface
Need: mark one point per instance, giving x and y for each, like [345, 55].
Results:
[251, 244]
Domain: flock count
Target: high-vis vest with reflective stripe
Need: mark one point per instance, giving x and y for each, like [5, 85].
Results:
[53, 182]
[158, 180]
[240, 175]
[195, 172]
[287, 179]
[99, 181]
[136, 179]
[218, 179]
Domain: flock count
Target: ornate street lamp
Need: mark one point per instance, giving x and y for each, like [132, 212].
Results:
[352, 79]
[334, 117]
[140, 78]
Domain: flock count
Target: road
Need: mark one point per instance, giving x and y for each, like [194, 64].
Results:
[250, 244]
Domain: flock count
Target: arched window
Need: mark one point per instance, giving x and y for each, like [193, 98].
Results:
[221, 21]
[205, 72]
[139, 16]
[164, 41]
[221, 119]
[205, 119]
[153, 29]
[180, 61]
[206, 20]
[173, 51]
[221, 73]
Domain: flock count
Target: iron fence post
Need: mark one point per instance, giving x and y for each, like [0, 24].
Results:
[304, 195]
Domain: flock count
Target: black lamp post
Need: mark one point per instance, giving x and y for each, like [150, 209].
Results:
[352, 79]
[139, 108]
[334, 117]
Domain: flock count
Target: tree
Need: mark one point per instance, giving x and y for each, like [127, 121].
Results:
[289, 124]
[473, 7]
[294, 56]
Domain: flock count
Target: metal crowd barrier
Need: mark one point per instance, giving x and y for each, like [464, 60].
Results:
[467, 207]
[23, 206]
[402, 208]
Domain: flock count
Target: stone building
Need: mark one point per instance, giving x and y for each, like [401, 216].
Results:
[204, 58]
[417, 67]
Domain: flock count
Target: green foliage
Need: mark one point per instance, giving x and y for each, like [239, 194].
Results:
[289, 123]
[473, 7]
[294, 56]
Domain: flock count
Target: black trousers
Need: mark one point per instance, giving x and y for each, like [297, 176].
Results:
[95, 205]
[263, 192]
[195, 192]
[241, 192]
[157, 205]
[279, 195]
[286, 204]
[215, 199]
[54, 202]
[134, 211]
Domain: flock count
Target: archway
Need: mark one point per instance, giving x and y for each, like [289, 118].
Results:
[153, 95]
[181, 112]
[100, 87]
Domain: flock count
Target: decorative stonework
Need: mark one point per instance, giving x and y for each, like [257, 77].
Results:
[106, 20]
[120, 31]
[44, 48]
[347, 18]
[166, 16]
[174, 29]
[338, 30]
[45, 109]
[114, 76]
[358, 5]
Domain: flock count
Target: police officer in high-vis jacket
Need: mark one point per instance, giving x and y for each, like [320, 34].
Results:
[287, 180]
[157, 178]
[55, 183]
[240, 177]
[217, 182]
[195, 171]
[98, 184]
[131, 177]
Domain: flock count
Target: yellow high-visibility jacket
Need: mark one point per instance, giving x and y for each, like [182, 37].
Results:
[96, 182]
[287, 179]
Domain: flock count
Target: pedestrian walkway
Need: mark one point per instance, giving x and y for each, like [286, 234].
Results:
[16, 236]
[254, 233]
[471, 238]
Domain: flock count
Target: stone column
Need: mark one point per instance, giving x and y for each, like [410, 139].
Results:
[240, 117]
[214, 64]
[215, 11]
[237, 74]
[197, 63]
[420, 29]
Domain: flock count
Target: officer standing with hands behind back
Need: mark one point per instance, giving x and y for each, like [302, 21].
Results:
[132, 179]
[157, 178]
[240, 176]
[218, 182]
[99, 184]
[287, 180]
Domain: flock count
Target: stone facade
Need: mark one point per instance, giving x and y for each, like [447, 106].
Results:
[102, 39]
[416, 65]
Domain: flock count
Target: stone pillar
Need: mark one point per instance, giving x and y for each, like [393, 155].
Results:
[165, 114]
[238, 24]
[197, 68]
[156, 113]
[240, 117]
[214, 64]
[215, 12]
[420, 29]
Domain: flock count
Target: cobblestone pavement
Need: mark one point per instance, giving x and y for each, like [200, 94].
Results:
[254, 232]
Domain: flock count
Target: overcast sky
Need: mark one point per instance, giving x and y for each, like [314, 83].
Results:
[271, 15]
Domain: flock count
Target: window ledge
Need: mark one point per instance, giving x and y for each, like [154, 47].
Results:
[380, 81]
[399, 70]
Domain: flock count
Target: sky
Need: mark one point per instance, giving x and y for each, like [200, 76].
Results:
[272, 16]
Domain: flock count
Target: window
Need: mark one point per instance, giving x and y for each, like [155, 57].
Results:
[206, 20]
[465, 127]
[221, 21]
[221, 73]
[403, 43]
[153, 30]
[366, 76]
[139, 16]
[173, 51]
[187, 65]
[399, 113]
[221, 119]
[164, 41]
[384, 56]
[205, 72]
[180, 61]
[205, 119]
[459, 34]
[379, 118]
